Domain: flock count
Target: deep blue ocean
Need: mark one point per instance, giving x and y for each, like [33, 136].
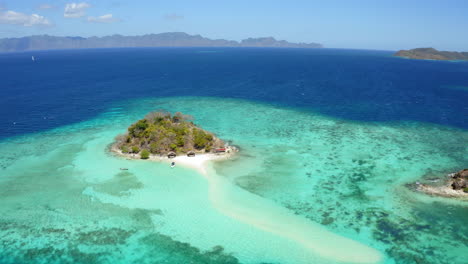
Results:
[64, 87]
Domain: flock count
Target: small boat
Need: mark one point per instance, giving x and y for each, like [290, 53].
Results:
[172, 164]
[123, 168]
[32, 58]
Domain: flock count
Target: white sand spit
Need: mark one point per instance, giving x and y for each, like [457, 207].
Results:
[268, 216]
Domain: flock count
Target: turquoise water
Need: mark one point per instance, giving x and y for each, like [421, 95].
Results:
[64, 198]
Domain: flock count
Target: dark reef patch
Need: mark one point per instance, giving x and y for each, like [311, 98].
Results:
[106, 243]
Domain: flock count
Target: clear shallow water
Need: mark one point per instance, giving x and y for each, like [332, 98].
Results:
[72, 201]
[65, 200]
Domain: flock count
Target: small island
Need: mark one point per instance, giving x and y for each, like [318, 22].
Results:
[163, 134]
[455, 185]
[431, 54]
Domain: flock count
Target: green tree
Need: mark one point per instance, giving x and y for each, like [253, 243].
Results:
[180, 141]
[208, 148]
[124, 149]
[138, 128]
[199, 140]
[144, 154]
[141, 124]
[135, 149]
[155, 148]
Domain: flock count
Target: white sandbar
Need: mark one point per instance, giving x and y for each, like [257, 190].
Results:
[268, 216]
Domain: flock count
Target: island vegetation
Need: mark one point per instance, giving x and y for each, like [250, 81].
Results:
[431, 54]
[163, 133]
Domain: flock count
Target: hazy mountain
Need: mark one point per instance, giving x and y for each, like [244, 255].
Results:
[272, 42]
[432, 54]
[170, 39]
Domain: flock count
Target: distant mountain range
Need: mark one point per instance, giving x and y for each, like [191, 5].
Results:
[431, 54]
[170, 39]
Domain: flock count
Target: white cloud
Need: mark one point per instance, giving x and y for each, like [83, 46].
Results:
[44, 6]
[74, 10]
[173, 17]
[108, 18]
[17, 18]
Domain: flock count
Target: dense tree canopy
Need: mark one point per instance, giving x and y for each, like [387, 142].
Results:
[161, 132]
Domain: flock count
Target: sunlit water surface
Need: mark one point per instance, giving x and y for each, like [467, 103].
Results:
[329, 141]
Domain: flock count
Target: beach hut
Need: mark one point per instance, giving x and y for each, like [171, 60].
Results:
[171, 155]
[191, 154]
[220, 150]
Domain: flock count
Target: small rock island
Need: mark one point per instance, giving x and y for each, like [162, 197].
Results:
[431, 54]
[163, 134]
[456, 185]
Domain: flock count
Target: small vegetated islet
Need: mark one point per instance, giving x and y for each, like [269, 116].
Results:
[161, 133]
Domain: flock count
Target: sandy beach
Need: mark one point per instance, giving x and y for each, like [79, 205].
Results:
[198, 162]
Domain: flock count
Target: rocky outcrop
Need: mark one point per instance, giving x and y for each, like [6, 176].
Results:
[460, 180]
[456, 185]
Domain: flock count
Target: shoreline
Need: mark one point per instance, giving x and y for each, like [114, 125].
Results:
[454, 185]
[441, 191]
[198, 162]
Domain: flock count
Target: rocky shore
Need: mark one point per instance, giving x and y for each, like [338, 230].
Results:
[455, 186]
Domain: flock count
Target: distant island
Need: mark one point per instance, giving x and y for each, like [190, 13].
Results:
[431, 54]
[163, 134]
[169, 39]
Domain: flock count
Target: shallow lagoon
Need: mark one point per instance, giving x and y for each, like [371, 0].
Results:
[64, 198]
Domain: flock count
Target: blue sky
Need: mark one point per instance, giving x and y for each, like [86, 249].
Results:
[359, 24]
